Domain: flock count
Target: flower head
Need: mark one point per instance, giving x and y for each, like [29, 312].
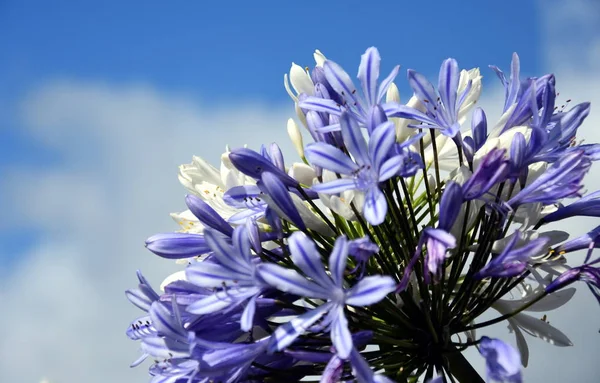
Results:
[375, 259]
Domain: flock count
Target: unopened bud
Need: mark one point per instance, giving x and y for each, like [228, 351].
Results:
[392, 95]
[296, 137]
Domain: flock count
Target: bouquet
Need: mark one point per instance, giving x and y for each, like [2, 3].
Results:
[373, 256]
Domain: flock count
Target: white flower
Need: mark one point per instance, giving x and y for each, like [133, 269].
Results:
[536, 327]
[205, 181]
[295, 137]
[300, 81]
[341, 204]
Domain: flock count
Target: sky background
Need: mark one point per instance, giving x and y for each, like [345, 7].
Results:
[101, 101]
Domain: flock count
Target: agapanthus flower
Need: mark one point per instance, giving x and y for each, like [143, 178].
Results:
[376, 256]
[502, 361]
[373, 164]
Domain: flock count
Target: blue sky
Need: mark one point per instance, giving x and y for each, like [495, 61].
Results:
[227, 52]
[100, 101]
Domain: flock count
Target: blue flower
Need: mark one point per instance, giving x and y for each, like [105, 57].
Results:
[502, 361]
[588, 206]
[362, 109]
[233, 275]
[561, 180]
[253, 165]
[586, 273]
[591, 238]
[518, 94]
[329, 288]
[246, 197]
[361, 250]
[177, 245]
[512, 262]
[372, 164]
[441, 107]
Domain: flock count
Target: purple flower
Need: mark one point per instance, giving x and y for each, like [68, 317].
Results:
[450, 204]
[207, 215]
[588, 206]
[227, 361]
[305, 255]
[502, 361]
[518, 94]
[512, 86]
[141, 328]
[591, 238]
[373, 163]
[280, 197]
[586, 273]
[478, 134]
[177, 245]
[512, 262]
[361, 109]
[253, 165]
[361, 250]
[441, 107]
[247, 197]
[491, 170]
[438, 242]
[561, 180]
[233, 275]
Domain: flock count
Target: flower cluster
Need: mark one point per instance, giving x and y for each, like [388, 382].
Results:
[373, 258]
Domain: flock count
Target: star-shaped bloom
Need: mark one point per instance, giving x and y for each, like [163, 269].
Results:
[442, 106]
[373, 164]
[329, 288]
[361, 108]
[233, 276]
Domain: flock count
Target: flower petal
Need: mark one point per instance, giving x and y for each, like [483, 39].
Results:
[338, 259]
[253, 164]
[329, 157]
[208, 274]
[280, 196]
[247, 319]
[177, 245]
[423, 90]
[370, 290]
[306, 256]
[220, 300]
[226, 254]
[390, 167]
[340, 334]
[354, 140]
[288, 280]
[542, 330]
[335, 186]
[368, 74]
[285, 334]
[375, 208]
[165, 323]
[341, 83]
[381, 142]
[448, 86]
[387, 82]
[207, 215]
[321, 105]
[521, 343]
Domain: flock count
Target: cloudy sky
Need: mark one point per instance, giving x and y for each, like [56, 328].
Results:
[100, 103]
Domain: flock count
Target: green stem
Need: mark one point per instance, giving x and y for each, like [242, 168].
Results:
[461, 369]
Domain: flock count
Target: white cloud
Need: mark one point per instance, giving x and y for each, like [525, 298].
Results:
[64, 311]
